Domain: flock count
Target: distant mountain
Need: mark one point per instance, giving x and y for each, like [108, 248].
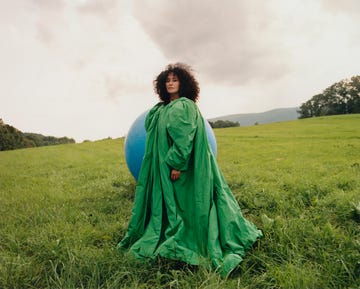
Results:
[274, 115]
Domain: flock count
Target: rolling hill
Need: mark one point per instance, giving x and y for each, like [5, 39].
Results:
[274, 115]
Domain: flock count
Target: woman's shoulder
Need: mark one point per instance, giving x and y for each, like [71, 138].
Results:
[183, 103]
[187, 100]
[182, 107]
[155, 109]
[153, 114]
[157, 106]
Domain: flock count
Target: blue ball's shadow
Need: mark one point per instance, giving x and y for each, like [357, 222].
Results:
[136, 139]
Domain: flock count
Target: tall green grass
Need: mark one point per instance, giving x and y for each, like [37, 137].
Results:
[64, 208]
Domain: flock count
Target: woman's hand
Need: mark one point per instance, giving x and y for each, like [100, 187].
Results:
[175, 175]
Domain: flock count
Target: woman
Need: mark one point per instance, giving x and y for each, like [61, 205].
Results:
[184, 209]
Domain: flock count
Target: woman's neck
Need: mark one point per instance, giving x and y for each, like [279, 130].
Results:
[174, 96]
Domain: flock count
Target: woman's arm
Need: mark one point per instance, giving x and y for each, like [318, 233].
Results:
[181, 129]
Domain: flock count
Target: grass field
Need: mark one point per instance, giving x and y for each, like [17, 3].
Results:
[64, 208]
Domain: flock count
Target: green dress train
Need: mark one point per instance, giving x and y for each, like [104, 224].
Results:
[195, 219]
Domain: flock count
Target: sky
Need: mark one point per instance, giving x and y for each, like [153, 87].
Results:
[85, 68]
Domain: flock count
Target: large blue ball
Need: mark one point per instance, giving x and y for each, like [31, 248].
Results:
[136, 139]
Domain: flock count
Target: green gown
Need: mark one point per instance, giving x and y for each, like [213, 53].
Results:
[195, 219]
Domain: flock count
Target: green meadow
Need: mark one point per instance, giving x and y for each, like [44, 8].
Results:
[64, 208]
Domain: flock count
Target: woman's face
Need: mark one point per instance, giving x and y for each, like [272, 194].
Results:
[172, 84]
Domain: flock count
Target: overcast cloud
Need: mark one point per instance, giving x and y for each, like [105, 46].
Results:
[232, 43]
[84, 68]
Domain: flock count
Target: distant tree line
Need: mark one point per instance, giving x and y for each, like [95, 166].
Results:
[340, 98]
[11, 138]
[223, 123]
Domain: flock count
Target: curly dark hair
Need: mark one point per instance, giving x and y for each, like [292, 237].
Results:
[189, 87]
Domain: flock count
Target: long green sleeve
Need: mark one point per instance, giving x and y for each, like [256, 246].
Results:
[181, 128]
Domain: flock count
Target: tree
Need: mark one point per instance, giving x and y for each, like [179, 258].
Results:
[340, 98]
[12, 138]
[223, 123]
